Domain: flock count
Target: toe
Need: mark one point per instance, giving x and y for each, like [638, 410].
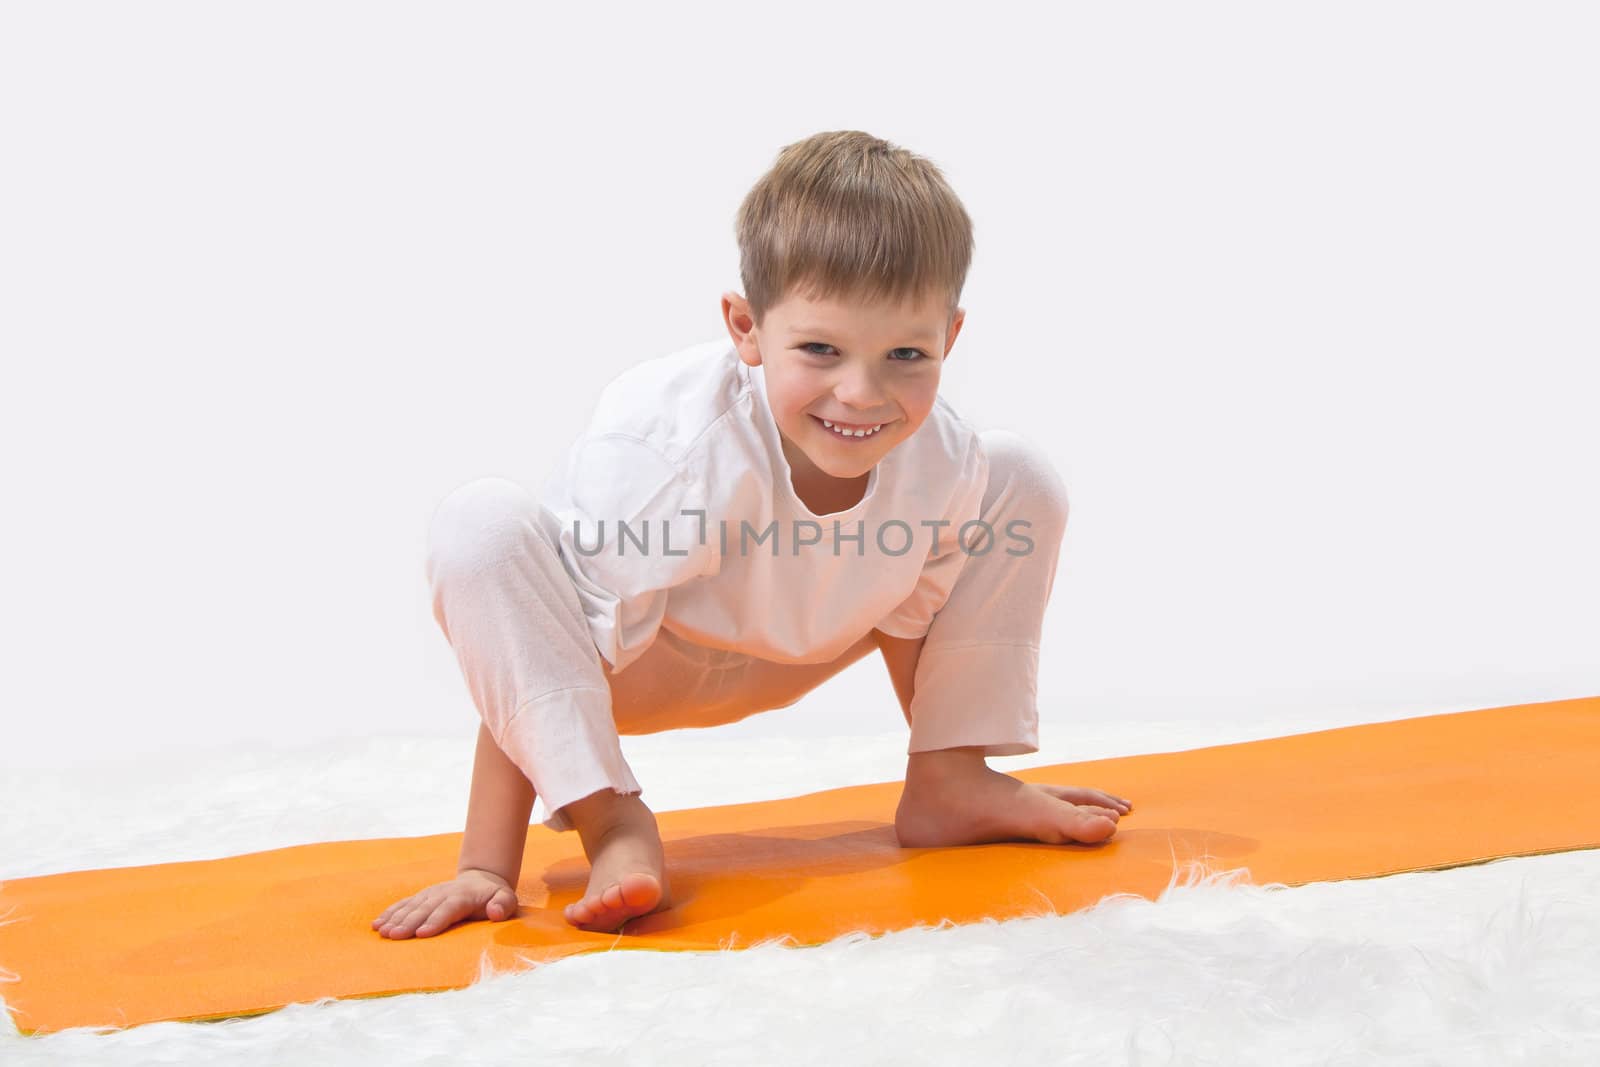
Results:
[595, 912]
[1090, 825]
[639, 891]
[634, 895]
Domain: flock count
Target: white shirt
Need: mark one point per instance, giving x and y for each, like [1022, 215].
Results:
[693, 430]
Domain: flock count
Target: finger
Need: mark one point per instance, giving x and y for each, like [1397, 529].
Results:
[407, 921]
[389, 916]
[387, 912]
[443, 916]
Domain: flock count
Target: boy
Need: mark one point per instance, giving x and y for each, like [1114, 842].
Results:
[629, 599]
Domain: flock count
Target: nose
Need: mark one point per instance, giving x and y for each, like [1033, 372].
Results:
[858, 389]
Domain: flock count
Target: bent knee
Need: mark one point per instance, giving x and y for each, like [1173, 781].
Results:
[480, 523]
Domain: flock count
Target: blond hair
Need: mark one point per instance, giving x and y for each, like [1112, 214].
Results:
[843, 214]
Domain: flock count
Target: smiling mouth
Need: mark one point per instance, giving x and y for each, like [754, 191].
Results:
[851, 431]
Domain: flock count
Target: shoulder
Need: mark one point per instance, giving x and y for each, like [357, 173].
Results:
[645, 444]
[669, 401]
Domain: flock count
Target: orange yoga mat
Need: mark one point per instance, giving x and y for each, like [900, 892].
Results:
[249, 934]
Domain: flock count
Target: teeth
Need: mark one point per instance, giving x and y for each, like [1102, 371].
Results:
[852, 433]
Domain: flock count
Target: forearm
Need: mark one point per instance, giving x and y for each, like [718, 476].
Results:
[900, 656]
[497, 813]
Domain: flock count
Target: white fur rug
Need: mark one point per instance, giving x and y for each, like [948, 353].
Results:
[1490, 964]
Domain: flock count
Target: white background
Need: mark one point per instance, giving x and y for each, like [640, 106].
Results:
[1301, 300]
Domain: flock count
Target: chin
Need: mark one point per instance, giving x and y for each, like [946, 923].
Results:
[846, 472]
[840, 469]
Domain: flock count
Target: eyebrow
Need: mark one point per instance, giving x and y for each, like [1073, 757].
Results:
[925, 337]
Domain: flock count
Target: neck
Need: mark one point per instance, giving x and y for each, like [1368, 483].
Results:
[818, 490]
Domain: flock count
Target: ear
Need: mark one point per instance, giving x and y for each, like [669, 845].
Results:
[956, 320]
[741, 327]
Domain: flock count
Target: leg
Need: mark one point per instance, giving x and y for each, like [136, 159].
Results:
[975, 692]
[553, 708]
[506, 605]
[977, 675]
[508, 609]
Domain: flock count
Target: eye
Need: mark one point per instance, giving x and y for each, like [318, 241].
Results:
[916, 353]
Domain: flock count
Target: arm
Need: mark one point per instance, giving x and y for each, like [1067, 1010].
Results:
[900, 655]
[497, 813]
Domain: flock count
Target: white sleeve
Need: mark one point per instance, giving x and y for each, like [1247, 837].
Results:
[625, 540]
[941, 569]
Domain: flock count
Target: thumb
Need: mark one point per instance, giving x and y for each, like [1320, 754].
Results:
[502, 904]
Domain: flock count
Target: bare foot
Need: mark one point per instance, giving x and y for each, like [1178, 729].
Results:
[952, 797]
[627, 871]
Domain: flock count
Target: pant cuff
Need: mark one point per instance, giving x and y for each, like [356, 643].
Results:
[981, 694]
[566, 743]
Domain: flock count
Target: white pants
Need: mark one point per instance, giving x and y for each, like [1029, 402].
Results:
[507, 606]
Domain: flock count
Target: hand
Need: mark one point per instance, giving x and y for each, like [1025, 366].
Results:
[470, 895]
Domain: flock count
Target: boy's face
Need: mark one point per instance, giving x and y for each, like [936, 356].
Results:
[860, 365]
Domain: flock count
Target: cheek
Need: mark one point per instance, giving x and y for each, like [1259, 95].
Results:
[793, 404]
[794, 415]
[918, 402]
